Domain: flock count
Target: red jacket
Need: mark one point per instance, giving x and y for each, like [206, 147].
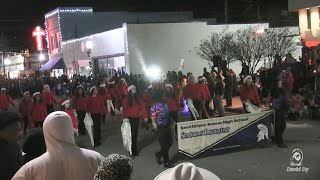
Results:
[250, 93]
[173, 104]
[95, 105]
[205, 89]
[123, 89]
[114, 92]
[38, 112]
[25, 108]
[49, 98]
[148, 99]
[288, 82]
[80, 103]
[5, 101]
[134, 110]
[73, 118]
[194, 91]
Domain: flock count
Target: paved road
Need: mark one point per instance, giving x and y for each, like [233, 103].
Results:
[257, 163]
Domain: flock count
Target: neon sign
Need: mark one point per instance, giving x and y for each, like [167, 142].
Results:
[38, 33]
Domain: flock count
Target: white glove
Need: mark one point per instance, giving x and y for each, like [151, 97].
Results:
[76, 131]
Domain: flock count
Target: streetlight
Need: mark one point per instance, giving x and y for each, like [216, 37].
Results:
[89, 45]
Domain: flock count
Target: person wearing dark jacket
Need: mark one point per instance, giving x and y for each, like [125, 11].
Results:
[133, 108]
[229, 88]
[34, 144]
[11, 154]
[218, 92]
[279, 101]
[80, 105]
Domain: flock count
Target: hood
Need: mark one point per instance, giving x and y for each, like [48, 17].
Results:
[58, 131]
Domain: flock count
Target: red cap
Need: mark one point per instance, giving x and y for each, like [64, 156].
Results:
[63, 101]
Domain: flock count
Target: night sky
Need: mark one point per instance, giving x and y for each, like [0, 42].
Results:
[18, 17]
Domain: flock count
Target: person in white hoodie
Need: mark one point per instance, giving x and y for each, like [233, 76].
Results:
[63, 160]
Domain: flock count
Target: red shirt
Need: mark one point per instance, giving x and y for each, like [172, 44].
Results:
[49, 98]
[25, 107]
[73, 118]
[123, 89]
[288, 82]
[95, 105]
[173, 104]
[134, 110]
[114, 92]
[207, 95]
[80, 103]
[38, 112]
[249, 93]
[5, 101]
[194, 91]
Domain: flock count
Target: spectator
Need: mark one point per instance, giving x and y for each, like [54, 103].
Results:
[11, 155]
[34, 144]
[114, 167]
[63, 159]
[218, 91]
[244, 71]
[186, 171]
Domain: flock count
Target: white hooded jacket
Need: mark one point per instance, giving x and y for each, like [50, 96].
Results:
[64, 160]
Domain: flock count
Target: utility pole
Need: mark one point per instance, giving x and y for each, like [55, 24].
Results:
[226, 11]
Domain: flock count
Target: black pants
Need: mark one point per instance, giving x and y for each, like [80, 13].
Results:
[228, 94]
[96, 128]
[165, 140]
[38, 124]
[280, 126]
[50, 108]
[81, 115]
[135, 123]
[25, 124]
[173, 117]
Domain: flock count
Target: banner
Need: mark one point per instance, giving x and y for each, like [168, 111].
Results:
[195, 137]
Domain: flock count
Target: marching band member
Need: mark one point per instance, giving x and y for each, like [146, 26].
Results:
[38, 111]
[80, 105]
[114, 92]
[24, 109]
[133, 106]
[95, 107]
[172, 100]
[65, 106]
[105, 97]
[5, 100]
[49, 98]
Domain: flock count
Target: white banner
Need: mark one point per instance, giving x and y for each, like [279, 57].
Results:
[194, 137]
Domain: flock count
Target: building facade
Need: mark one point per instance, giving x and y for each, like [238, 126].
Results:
[309, 20]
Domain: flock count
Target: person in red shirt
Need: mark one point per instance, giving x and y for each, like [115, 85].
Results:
[65, 106]
[249, 92]
[206, 98]
[38, 111]
[288, 82]
[95, 106]
[123, 88]
[133, 106]
[172, 100]
[49, 98]
[80, 105]
[5, 100]
[194, 92]
[24, 109]
[114, 92]
[105, 97]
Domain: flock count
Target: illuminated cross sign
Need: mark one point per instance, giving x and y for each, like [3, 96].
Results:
[38, 33]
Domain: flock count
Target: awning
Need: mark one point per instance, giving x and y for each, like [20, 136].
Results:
[53, 63]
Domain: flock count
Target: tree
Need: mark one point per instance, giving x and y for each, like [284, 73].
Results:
[216, 47]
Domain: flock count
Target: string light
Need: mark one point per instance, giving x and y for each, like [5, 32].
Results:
[61, 10]
[52, 13]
